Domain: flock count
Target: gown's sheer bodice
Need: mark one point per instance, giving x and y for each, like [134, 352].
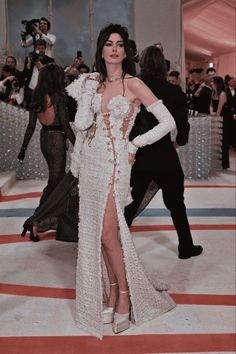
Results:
[121, 114]
[108, 138]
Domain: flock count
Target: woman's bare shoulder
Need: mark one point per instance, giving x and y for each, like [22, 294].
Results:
[134, 82]
[223, 94]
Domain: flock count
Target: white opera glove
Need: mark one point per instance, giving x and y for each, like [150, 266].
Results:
[166, 124]
[75, 155]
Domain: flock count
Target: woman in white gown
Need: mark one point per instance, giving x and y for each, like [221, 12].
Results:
[108, 102]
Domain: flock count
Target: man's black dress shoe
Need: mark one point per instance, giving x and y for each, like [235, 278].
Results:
[194, 251]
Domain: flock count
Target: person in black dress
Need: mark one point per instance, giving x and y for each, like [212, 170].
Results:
[231, 108]
[218, 107]
[48, 105]
[157, 165]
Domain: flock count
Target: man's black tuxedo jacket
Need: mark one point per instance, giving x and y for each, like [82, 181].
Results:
[231, 102]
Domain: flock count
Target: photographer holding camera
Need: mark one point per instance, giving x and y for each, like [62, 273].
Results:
[10, 87]
[33, 63]
[38, 29]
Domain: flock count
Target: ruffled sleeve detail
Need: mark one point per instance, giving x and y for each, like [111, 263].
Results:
[76, 87]
[83, 90]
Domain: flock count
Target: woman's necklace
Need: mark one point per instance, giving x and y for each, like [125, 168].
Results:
[113, 78]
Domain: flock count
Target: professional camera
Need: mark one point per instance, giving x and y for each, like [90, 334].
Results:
[15, 84]
[35, 56]
[30, 26]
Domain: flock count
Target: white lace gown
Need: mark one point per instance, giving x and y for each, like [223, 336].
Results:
[101, 158]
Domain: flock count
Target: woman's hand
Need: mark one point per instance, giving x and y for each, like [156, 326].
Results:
[91, 84]
[21, 155]
[9, 78]
[131, 158]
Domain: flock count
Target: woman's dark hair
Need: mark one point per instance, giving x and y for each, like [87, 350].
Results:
[153, 63]
[51, 83]
[227, 78]
[219, 82]
[174, 73]
[102, 38]
[83, 66]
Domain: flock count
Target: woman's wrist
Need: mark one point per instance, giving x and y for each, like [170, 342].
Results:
[132, 147]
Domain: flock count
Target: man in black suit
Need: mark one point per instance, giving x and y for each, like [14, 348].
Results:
[157, 165]
[33, 63]
[202, 97]
[230, 111]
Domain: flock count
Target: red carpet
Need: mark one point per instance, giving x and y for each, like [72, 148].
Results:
[141, 344]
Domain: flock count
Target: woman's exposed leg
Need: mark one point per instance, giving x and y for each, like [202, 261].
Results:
[114, 253]
[113, 292]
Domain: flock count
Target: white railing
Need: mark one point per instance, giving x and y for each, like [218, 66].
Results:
[200, 158]
[13, 123]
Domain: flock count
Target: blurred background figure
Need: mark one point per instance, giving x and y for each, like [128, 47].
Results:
[193, 85]
[5, 82]
[174, 77]
[11, 90]
[135, 57]
[159, 45]
[12, 63]
[83, 69]
[71, 74]
[211, 72]
[48, 105]
[33, 63]
[38, 29]
[218, 107]
[77, 61]
[157, 165]
[202, 97]
[230, 88]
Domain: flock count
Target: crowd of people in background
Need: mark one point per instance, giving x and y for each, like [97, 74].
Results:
[214, 95]
[206, 93]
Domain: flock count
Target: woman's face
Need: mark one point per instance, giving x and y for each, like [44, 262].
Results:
[113, 51]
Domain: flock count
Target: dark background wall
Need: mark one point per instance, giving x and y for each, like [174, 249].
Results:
[70, 24]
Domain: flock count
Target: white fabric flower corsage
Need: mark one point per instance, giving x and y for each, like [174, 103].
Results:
[118, 106]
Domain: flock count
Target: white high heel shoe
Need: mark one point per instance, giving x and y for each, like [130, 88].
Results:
[108, 311]
[121, 322]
